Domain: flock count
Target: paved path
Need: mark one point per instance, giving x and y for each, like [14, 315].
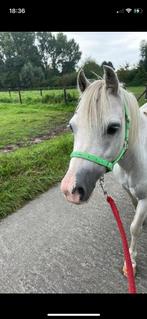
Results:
[52, 246]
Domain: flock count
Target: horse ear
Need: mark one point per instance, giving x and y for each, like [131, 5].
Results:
[111, 79]
[82, 81]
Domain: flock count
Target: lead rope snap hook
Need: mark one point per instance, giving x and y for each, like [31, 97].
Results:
[102, 184]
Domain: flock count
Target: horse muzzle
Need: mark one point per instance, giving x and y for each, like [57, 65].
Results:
[78, 188]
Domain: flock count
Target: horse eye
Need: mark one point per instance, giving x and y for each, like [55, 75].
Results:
[113, 128]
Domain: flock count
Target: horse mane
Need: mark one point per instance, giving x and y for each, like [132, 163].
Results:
[95, 105]
[130, 100]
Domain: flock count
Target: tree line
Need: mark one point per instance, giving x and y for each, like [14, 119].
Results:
[42, 59]
[33, 59]
[131, 76]
[138, 74]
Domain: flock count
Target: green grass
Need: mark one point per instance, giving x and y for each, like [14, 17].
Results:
[30, 171]
[20, 123]
[137, 91]
[48, 96]
[53, 96]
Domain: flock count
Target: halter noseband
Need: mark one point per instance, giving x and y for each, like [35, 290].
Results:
[100, 160]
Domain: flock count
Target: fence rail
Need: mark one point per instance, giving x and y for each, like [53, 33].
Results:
[40, 90]
[45, 89]
[143, 94]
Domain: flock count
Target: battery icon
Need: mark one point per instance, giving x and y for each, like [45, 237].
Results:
[138, 11]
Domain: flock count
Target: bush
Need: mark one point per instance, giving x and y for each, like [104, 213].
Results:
[64, 80]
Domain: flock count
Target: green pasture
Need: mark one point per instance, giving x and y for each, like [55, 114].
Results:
[37, 96]
[30, 171]
[53, 96]
[20, 123]
[137, 91]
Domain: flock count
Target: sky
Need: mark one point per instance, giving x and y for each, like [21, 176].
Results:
[117, 47]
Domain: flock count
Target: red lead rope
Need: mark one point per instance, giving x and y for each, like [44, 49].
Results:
[131, 279]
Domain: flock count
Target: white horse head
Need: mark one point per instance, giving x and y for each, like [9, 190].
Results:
[98, 126]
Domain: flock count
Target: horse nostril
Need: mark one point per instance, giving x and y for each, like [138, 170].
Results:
[81, 192]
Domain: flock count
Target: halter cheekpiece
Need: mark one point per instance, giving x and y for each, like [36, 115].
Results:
[102, 161]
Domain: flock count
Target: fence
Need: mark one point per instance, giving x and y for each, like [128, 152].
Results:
[64, 93]
[143, 94]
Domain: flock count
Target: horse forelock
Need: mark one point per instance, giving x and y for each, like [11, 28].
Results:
[94, 105]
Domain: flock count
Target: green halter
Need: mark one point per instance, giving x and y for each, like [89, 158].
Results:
[104, 162]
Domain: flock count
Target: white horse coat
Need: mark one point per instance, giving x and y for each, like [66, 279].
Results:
[98, 126]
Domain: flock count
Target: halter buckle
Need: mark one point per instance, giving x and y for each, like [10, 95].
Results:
[126, 145]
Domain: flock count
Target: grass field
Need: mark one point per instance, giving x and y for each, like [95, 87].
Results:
[28, 171]
[48, 96]
[20, 123]
[32, 169]
[137, 91]
[52, 96]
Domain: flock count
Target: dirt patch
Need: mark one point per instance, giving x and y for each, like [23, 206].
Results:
[34, 140]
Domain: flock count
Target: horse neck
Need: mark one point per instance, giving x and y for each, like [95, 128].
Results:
[132, 160]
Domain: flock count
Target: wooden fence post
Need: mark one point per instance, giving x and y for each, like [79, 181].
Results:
[146, 93]
[9, 93]
[20, 99]
[65, 96]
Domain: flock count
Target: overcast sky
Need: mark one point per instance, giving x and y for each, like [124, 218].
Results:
[117, 47]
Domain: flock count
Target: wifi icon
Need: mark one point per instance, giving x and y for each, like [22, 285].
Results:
[128, 10]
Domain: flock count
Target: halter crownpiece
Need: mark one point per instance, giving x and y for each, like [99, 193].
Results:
[102, 161]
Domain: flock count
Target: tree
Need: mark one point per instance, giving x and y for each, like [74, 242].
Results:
[17, 49]
[143, 53]
[38, 76]
[31, 76]
[89, 66]
[40, 53]
[7, 49]
[57, 52]
[69, 79]
[69, 54]
[13, 68]
[127, 76]
[2, 71]
[19, 44]
[26, 75]
[45, 44]
[127, 65]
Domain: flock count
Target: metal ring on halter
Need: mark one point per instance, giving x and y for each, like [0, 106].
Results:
[101, 182]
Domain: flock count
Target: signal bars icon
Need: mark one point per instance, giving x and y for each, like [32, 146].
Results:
[120, 11]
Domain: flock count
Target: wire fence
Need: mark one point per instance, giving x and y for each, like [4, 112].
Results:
[143, 94]
[44, 95]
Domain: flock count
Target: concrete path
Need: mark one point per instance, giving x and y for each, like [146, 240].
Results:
[52, 246]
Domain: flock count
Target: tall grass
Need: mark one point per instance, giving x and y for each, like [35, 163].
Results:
[28, 172]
